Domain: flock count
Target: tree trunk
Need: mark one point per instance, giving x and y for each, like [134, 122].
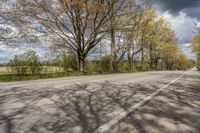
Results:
[112, 52]
[142, 58]
[151, 64]
[81, 63]
[130, 62]
[130, 57]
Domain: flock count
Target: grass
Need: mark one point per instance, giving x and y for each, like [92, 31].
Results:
[15, 77]
[6, 74]
[10, 77]
[198, 67]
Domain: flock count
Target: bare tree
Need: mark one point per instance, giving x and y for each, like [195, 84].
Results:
[11, 29]
[126, 23]
[76, 24]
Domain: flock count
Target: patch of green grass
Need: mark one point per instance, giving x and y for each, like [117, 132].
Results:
[198, 67]
[15, 77]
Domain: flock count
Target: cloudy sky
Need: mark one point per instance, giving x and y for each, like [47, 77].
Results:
[182, 14]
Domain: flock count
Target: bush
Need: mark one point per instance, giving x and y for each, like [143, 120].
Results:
[68, 62]
[123, 67]
[92, 67]
[32, 60]
[18, 66]
[104, 64]
[26, 63]
[198, 68]
[144, 67]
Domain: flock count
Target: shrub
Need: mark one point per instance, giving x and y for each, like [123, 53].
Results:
[19, 66]
[26, 63]
[68, 62]
[33, 63]
[104, 64]
[198, 68]
[92, 67]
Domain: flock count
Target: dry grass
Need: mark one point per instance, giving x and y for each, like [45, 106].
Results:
[46, 69]
[4, 70]
[52, 69]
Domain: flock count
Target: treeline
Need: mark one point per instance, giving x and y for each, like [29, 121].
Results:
[135, 37]
[196, 49]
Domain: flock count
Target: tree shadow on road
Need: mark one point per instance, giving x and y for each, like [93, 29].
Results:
[174, 110]
[80, 108]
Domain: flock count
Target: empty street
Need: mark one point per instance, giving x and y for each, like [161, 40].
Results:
[169, 101]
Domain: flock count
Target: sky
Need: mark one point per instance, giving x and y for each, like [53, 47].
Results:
[182, 15]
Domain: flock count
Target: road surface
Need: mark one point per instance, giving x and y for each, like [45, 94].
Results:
[148, 102]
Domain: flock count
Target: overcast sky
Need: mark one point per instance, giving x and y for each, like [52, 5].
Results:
[182, 14]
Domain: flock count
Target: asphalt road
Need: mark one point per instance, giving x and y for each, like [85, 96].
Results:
[88, 103]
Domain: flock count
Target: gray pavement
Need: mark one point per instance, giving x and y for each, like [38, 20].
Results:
[83, 104]
[174, 110]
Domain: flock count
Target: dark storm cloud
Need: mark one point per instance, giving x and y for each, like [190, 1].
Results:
[182, 14]
[193, 12]
[190, 7]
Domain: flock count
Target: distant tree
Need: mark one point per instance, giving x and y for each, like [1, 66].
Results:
[183, 63]
[196, 48]
[104, 64]
[18, 65]
[32, 61]
[26, 63]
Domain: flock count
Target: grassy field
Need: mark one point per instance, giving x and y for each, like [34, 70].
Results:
[46, 69]
[6, 74]
[4, 70]
[15, 77]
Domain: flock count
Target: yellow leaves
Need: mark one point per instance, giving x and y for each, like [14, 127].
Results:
[157, 33]
[196, 47]
[96, 7]
[196, 39]
[73, 2]
[91, 5]
[196, 44]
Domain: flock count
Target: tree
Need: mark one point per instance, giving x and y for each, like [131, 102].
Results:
[32, 60]
[123, 28]
[196, 48]
[78, 26]
[10, 28]
[182, 62]
[75, 24]
[27, 62]
[18, 65]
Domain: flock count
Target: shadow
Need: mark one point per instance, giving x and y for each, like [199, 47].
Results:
[80, 108]
[174, 110]
[83, 108]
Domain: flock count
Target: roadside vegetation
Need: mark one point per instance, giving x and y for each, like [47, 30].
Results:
[196, 49]
[124, 36]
